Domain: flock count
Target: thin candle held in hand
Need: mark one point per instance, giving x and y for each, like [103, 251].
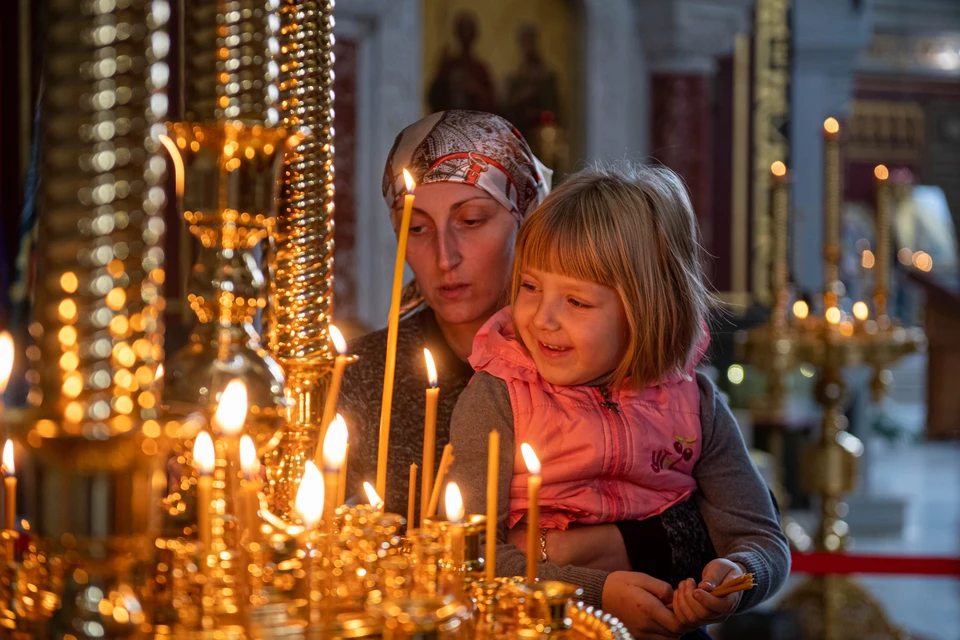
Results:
[204, 460]
[429, 435]
[334, 455]
[533, 511]
[493, 471]
[339, 364]
[393, 327]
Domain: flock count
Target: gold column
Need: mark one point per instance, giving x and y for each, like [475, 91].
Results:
[92, 436]
[304, 239]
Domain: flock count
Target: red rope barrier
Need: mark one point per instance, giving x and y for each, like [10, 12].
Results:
[821, 564]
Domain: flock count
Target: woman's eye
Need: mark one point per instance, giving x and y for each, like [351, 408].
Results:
[473, 222]
[417, 228]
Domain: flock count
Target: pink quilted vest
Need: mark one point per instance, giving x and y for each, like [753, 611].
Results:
[628, 455]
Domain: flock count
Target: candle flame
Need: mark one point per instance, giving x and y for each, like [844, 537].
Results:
[249, 463]
[309, 501]
[338, 342]
[177, 161]
[431, 368]
[530, 458]
[159, 374]
[831, 126]
[232, 410]
[778, 169]
[860, 310]
[801, 309]
[9, 468]
[372, 496]
[335, 444]
[204, 458]
[6, 359]
[408, 179]
[453, 502]
[881, 172]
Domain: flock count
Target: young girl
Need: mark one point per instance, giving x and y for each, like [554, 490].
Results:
[592, 365]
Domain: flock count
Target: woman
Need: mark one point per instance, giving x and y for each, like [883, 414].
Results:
[477, 179]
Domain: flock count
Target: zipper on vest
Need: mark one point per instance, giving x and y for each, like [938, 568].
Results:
[607, 403]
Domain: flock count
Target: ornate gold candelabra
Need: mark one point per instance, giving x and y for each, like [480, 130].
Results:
[231, 559]
[831, 341]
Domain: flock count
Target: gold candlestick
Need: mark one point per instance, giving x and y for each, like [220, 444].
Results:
[881, 282]
[832, 201]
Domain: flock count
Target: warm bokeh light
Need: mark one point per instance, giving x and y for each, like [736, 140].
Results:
[778, 169]
[530, 459]
[159, 374]
[881, 172]
[335, 444]
[431, 368]
[408, 179]
[338, 342]
[372, 496]
[309, 500]
[204, 458]
[9, 468]
[69, 282]
[232, 410]
[831, 126]
[867, 259]
[905, 256]
[177, 162]
[833, 315]
[846, 328]
[453, 502]
[922, 260]
[860, 310]
[801, 309]
[249, 463]
[735, 373]
[6, 359]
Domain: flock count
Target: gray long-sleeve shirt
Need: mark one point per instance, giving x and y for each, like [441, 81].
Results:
[734, 501]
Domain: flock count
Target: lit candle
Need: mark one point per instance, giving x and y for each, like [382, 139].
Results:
[309, 500]
[330, 406]
[429, 435]
[445, 461]
[832, 197]
[334, 455]
[10, 485]
[229, 418]
[342, 480]
[250, 487]
[881, 276]
[373, 497]
[411, 495]
[453, 503]
[533, 511]
[493, 471]
[6, 363]
[393, 327]
[778, 206]
[204, 460]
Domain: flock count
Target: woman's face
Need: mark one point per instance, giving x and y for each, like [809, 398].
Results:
[460, 248]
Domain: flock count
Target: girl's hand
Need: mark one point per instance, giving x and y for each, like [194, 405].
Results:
[639, 601]
[693, 604]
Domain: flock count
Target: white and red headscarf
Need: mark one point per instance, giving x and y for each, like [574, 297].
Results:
[470, 147]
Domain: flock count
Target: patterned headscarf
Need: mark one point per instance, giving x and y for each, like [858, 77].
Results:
[469, 147]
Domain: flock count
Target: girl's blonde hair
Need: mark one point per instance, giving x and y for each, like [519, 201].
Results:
[631, 228]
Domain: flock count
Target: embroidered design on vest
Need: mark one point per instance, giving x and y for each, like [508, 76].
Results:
[662, 459]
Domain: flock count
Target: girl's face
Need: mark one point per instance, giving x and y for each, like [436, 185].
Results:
[575, 330]
[461, 250]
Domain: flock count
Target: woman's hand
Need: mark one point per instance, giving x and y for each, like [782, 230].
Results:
[593, 546]
[639, 601]
[693, 604]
